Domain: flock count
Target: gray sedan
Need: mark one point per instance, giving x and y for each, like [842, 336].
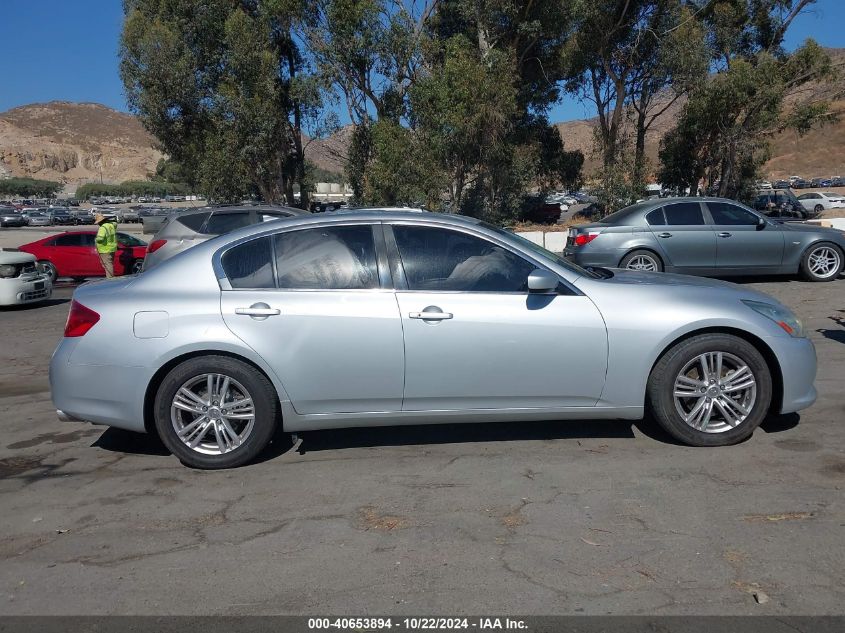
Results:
[707, 236]
[383, 318]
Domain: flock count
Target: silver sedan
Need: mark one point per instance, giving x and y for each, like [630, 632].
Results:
[387, 318]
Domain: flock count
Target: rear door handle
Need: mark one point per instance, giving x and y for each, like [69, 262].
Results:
[725, 234]
[664, 235]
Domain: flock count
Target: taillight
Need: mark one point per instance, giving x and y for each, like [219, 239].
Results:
[585, 238]
[155, 245]
[80, 319]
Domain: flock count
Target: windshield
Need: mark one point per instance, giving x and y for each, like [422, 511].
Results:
[543, 252]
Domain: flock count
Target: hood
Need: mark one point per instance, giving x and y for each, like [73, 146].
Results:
[14, 256]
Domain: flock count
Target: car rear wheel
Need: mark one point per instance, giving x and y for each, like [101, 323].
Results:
[137, 266]
[642, 260]
[215, 412]
[48, 268]
[822, 262]
[710, 390]
[818, 209]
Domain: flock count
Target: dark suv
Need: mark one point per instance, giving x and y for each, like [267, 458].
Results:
[780, 203]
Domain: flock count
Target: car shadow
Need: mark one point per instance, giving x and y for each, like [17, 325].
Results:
[764, 279]
[34, 306]
[121, 441]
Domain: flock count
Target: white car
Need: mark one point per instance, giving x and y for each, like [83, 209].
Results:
[819, 201]
[21, 279]
[764, 184]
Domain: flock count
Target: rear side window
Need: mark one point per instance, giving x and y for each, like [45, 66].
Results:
[730, 214]
[193, 221]
[684, 214]
[655, 218]
[250, 265]
[327, 258]
[220, 223]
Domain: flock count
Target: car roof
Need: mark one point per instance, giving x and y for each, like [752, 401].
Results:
[240, 207]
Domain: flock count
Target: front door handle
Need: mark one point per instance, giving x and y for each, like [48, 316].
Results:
[724, 234]
[664, 235]
[431, 313]
[258, 311]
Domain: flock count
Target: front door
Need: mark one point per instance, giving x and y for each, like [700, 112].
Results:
[476, 339]
[687, 242]
[311, 304]
[742, 244]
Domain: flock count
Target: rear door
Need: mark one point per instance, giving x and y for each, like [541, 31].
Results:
[686, 240]
[742, 244]
[317, 304]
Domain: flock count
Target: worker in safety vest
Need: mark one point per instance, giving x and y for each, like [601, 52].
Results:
[106, 242]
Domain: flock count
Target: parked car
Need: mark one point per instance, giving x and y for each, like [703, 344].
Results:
[820, 182]
[780, 203]
[21, 280]
[73, 254]
[80, 217]
[153, 218]
[837, 181]
[132, 215]
[764, 184]
[800, 183]
[707, 236]
[36, 218]
[781, 184]
[183, 230]
[379, 318]
[819, 201]
[10, 217]
[59, 216]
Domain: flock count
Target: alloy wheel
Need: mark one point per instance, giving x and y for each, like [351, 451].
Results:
[824, 262]
[642, 262]
[715, 392]
[212, 414]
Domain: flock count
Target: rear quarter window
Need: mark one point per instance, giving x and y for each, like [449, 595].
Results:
[250, 265]
[655, 218]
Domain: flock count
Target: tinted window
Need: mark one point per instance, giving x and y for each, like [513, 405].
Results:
[655, 218]
[250, 265]
[440, 259]
[71, 239]
[724, 213]
[220, 223]
[684, 213]
[327, 258]
[193, 221]
[129, 240]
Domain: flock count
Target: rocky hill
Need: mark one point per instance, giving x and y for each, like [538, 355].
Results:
[75, 143]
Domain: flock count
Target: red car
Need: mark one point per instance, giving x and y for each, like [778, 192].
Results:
[73, 254]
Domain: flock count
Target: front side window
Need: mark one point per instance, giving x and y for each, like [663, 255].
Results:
[327, 258]
[438, 259]
[730, 214]
[684, 214]
[250, 265]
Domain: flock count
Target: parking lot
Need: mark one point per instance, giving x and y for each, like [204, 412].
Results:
[532, 518]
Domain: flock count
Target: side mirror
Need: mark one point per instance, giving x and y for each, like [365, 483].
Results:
[542, 281]
[761, 223]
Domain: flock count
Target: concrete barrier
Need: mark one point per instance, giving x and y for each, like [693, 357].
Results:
[554, 241]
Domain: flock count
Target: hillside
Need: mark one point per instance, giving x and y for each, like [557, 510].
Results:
[75, 143]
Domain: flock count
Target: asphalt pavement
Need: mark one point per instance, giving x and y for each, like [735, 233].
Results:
[571, 517]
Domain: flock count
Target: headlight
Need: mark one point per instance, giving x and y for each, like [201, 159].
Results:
[787, 321]
[8, 270]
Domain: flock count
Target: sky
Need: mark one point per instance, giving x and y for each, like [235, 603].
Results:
[67, 50]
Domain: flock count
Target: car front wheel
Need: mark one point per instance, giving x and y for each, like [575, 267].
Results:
[215, 412]
[50, 269]
[710, 390]
[822, 262]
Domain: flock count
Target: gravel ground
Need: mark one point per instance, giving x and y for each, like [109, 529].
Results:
[542, 518]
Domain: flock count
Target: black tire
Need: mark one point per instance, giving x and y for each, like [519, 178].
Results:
[79, 280]
[136, 267]
[49, 269]
[807, 267]
[661, 401]
[257, 386]
[642, 255]
[818, 209]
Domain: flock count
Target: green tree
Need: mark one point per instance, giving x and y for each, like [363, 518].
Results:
[29, 187]
[722, 136]
[225, 89]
